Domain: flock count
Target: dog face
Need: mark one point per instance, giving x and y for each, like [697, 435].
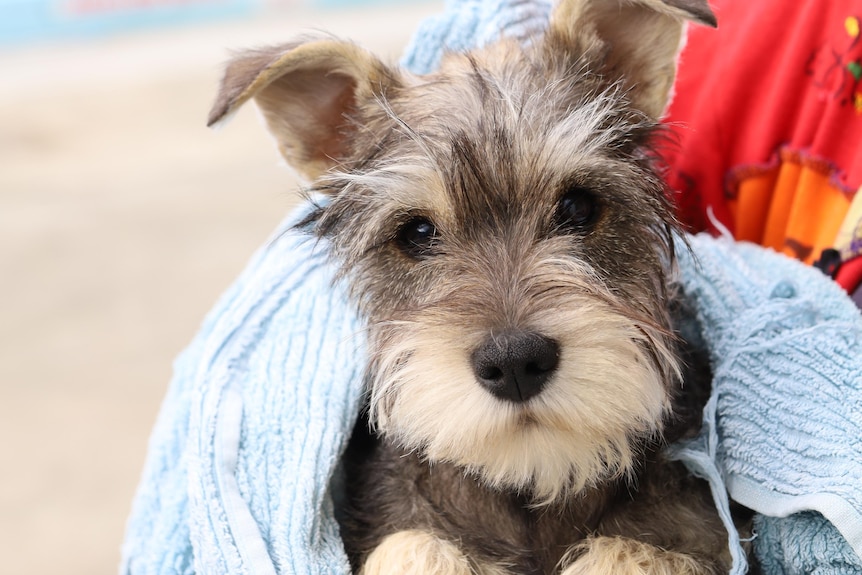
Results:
[502, 230]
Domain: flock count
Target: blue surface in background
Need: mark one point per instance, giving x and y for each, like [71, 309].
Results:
[23, 21]
[30, 20]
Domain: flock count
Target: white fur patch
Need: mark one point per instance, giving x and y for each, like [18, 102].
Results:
[622, 556]
[416, 552]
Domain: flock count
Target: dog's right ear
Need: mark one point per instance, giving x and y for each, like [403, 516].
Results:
[307, 92]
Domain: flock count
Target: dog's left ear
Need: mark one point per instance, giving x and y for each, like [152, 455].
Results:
[641, 40]
[308, 92]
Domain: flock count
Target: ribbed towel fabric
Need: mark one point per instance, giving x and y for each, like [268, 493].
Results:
[242, 471]
[782, 427]
[474, 23]
[250, 434]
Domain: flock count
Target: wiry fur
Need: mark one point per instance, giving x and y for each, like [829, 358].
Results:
[491, 184]
[454, 479]
[578, 431]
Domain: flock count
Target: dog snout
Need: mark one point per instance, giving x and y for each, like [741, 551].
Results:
[515, 365]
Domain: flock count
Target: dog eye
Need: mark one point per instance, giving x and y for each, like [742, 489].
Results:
[417, 237]
[577, 210]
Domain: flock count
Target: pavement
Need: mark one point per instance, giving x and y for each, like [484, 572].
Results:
[122, 219]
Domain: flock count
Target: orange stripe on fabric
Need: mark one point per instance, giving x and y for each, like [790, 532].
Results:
[817, 214]
[782, 202]
[752, 204]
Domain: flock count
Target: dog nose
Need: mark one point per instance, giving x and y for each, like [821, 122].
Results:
[515, 365]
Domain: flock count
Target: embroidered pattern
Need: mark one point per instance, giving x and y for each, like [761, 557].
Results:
[836, 71]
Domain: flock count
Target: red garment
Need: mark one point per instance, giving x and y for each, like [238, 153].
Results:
[768, 120]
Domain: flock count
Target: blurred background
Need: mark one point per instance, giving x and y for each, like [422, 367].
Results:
[122, 219]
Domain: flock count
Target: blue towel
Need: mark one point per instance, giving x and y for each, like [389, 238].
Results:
[242, 474]
[257, 415]
[783, 426]
[474, 23]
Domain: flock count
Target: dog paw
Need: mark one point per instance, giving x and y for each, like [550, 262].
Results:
[622, 556]
[416, 552]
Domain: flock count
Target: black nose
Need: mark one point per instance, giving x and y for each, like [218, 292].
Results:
[515, 365]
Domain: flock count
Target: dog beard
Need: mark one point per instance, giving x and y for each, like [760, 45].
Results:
[608, 395]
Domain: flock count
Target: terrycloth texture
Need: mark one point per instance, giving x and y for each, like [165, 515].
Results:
[782, 427]
[242, 464]
[474, 23]
[801, 544]
[252, 429]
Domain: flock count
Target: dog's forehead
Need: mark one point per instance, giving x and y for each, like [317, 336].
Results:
[484, 136]
[503, 108]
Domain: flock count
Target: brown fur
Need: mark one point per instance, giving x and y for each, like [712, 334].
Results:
[528, 175]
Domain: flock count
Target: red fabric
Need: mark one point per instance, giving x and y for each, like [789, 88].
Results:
[849, 275]
[777, 77]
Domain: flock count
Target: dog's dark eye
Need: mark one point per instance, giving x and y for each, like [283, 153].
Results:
[417, 237]
[577, 209]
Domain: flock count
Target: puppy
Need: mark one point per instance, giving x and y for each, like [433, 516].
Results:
[504, 232]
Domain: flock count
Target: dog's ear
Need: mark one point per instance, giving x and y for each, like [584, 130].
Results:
[307, 92]
[641, 40]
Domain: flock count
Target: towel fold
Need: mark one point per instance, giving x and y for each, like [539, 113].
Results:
[782, 427]
[259, 411]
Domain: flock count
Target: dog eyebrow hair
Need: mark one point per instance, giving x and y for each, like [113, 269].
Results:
[406, 129]
[473, 189]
